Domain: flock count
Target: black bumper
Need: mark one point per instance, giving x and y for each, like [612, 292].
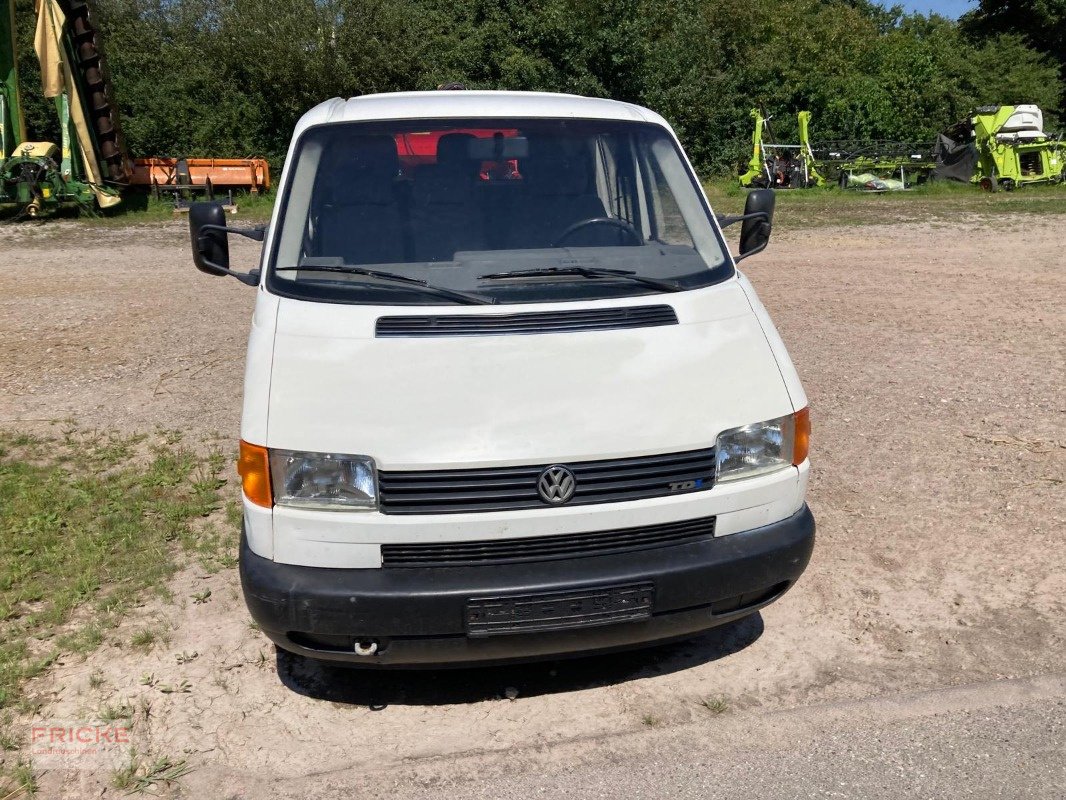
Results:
[419, 616]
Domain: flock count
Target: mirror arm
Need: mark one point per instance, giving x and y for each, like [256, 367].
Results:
[725, 221]
[250, 278]
[759, 249]
[257, 233]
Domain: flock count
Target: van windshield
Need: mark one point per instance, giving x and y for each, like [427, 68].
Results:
[497, 211]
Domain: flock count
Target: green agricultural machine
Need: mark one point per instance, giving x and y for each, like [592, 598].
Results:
[88, 167]
[875, 165]
[870, 165]
[781, 166]
[1001, 147]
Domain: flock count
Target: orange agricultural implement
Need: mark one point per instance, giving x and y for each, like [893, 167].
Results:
[201, 174]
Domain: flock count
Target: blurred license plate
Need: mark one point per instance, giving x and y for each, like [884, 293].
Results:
[558, 611]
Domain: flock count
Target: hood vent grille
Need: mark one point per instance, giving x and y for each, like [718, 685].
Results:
[587, 319]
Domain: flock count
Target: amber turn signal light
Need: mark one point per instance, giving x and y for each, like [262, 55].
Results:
[802, 442]
[254, 468]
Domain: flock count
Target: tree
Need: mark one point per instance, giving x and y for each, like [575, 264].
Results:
[1039, 24]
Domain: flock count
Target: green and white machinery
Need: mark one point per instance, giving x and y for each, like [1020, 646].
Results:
[867, 164]
[88, 167]
[781, 166]
[1003, 147]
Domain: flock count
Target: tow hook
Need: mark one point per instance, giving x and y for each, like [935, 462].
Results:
[366, 648]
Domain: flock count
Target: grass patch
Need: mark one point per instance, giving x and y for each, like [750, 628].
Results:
[146, 638]
[716, 705]
[114, 712]
[88, 522]
[137, 207]
[149, 776]
[934, 202]
[18, 781]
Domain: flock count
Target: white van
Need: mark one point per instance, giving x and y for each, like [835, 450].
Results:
[507, 395]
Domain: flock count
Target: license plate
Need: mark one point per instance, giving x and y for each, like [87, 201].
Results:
[556, 611]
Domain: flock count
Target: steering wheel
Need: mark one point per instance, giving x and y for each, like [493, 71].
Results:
[614, 222]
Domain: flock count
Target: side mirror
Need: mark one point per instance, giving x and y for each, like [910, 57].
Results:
[210, 242]
[758, 222]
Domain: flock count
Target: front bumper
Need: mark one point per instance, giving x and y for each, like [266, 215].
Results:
[417, 616]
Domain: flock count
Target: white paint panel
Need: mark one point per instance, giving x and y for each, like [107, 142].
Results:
[257, 368]
[450, 402]
[259, 528]
[777, 345]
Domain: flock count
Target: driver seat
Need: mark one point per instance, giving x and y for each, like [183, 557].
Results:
[559, 193]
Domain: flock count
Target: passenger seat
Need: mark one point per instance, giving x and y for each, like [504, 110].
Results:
[445, 214]
[361, 221]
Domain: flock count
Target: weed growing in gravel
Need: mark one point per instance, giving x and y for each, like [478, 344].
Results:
[18, 781]
[7, 739]
[716, 705]
[143, 639]
[87, 519]
[140, 775]
[113, 713]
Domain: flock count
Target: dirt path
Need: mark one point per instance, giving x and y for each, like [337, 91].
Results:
[934, 359]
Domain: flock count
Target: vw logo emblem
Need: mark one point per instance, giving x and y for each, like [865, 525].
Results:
[556, 485]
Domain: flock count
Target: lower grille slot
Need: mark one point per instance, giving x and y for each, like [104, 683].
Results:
[546, 548]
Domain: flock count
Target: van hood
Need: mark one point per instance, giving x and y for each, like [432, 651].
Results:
[470, 401]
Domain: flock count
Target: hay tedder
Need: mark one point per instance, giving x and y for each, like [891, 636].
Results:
[89, 168]
[863, 164]
[781, 166]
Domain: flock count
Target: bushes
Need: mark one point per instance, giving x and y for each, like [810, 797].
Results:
[230, 77]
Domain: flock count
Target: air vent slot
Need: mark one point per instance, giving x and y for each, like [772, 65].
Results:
[586, 319]
[546, 548]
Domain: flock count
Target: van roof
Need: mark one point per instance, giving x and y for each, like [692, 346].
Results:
[467, 103]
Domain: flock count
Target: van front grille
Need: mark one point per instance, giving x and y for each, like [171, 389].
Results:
[585, 319]
[506, 488]
[546, 548]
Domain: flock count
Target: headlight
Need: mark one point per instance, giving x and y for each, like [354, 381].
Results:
[763, 447]
[328, 481]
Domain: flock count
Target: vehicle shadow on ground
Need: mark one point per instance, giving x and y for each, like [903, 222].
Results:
[381, 688]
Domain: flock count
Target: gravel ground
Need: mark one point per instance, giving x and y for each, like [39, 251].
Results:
[933, 357]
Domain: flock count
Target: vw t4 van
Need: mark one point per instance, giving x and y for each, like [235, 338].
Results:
[507, 395]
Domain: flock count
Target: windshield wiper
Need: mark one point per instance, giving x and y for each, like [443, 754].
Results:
[587, 272]
[425, 286]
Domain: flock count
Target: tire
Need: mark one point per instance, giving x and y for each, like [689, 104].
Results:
[989, 184]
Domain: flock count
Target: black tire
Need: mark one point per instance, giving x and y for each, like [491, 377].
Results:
[990, 184]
